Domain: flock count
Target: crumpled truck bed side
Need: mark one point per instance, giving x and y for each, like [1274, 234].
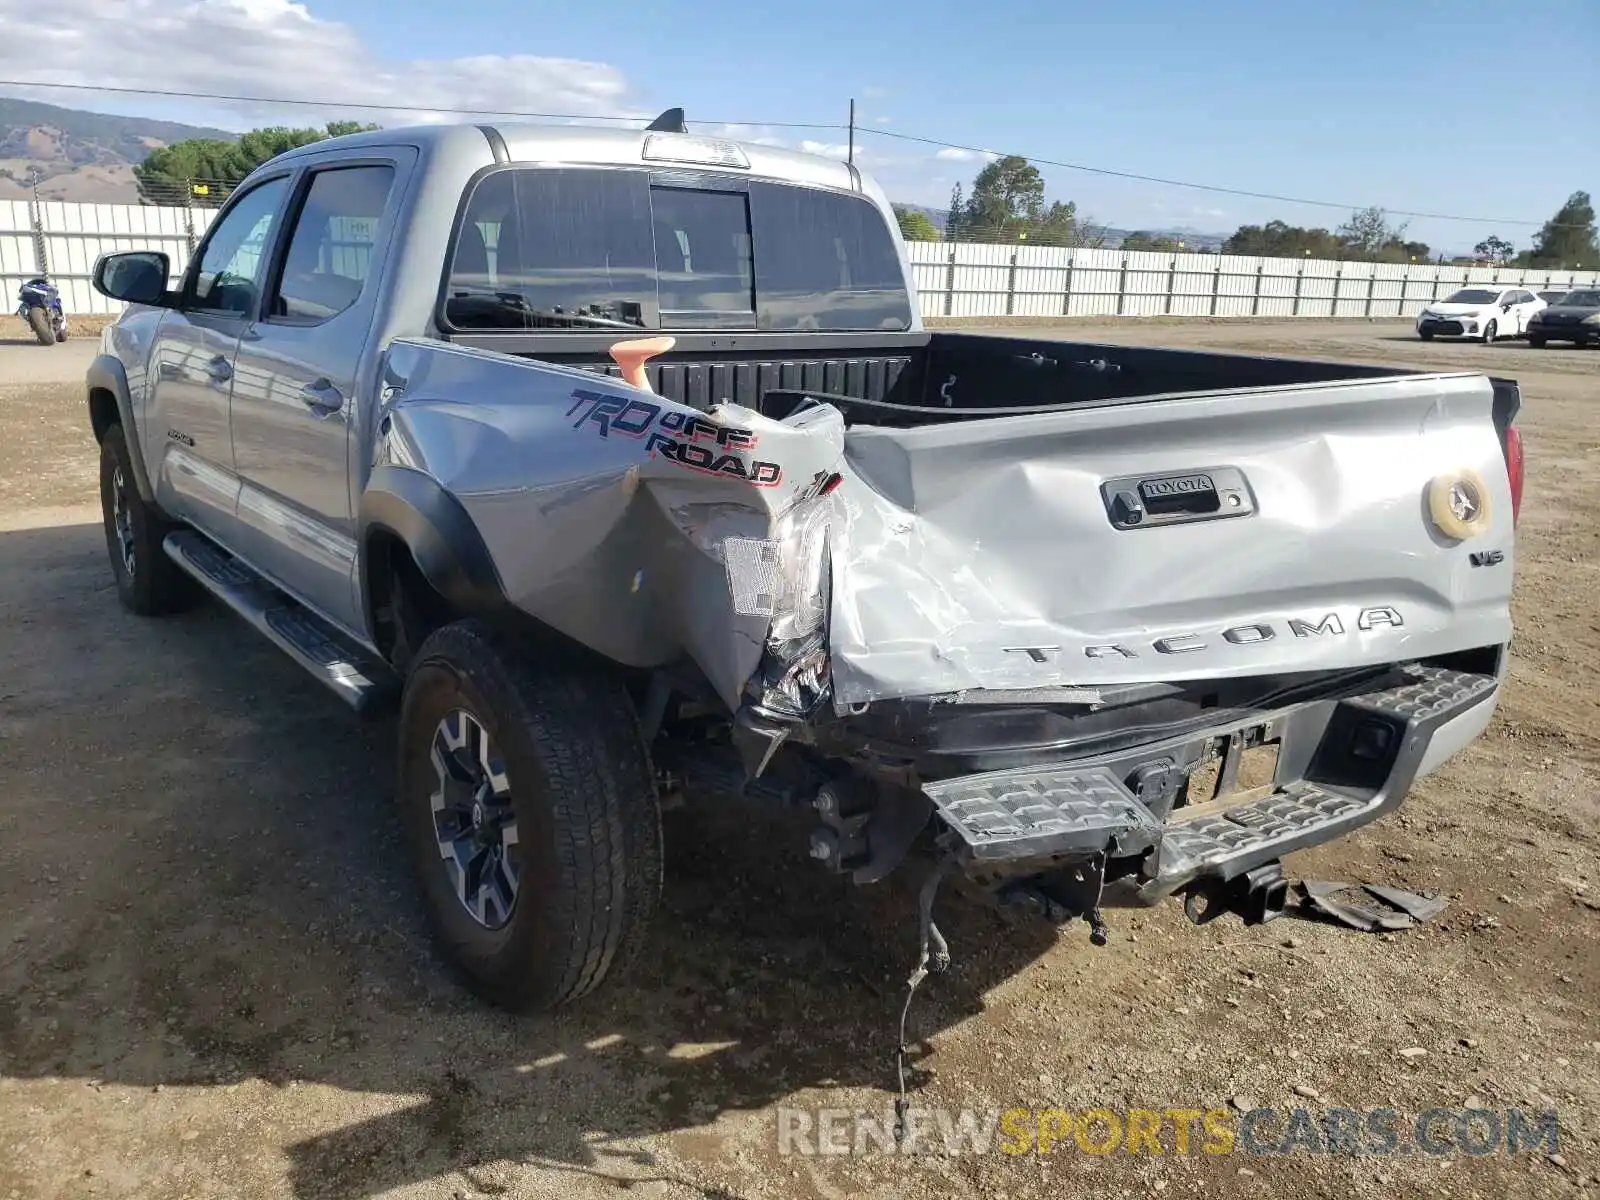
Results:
[642, 528]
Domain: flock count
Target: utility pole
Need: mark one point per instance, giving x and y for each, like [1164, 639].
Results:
[852, 159]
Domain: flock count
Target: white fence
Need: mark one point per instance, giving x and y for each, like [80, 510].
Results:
[954, 279]
[961, 279]
[63, 241]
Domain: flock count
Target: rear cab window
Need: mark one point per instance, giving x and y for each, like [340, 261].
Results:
[587, 249]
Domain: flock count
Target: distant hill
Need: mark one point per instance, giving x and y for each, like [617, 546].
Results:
[80, 155]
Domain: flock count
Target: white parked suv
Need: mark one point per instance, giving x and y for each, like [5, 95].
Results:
[1485, 313]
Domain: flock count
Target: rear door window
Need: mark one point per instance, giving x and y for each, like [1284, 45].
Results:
[826, 261]
[562, 248]
[554, 249]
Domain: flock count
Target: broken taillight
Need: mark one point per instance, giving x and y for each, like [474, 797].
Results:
[1514, 469]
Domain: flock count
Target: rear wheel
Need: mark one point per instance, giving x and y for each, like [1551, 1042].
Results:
[1490, 332]
[531, 808]
[39, 322]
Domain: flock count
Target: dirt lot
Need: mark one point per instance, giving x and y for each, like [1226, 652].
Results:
[214, 981]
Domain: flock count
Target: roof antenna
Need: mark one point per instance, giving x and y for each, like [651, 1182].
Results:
[670, 121]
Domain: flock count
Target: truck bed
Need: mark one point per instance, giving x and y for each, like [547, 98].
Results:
[926, 372]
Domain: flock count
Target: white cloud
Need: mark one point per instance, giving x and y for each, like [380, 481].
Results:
[884, 120]
[828, 149]
[957, 154]
[874, 93]
[277, 48]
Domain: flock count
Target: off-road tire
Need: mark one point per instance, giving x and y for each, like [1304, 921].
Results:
[154, 585]
[583, 796]
[1490, 332]
[39, 322]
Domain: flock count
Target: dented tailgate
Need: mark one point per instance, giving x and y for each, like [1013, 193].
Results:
[1000, 554]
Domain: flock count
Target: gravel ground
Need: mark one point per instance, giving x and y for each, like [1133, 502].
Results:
[214, 980]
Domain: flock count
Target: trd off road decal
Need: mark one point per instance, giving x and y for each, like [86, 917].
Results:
[686, 438]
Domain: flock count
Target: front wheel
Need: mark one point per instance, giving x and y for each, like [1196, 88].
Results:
[148, 582]
[530, 804]
[39, 322]
[1425, 334]
[1490, 332]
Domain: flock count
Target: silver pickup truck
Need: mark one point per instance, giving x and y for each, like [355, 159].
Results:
[620, 465]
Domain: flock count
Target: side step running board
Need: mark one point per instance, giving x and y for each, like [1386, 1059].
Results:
[357, 677]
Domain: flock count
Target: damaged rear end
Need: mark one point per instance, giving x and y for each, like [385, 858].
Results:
[1113, 652]
[1086, 651]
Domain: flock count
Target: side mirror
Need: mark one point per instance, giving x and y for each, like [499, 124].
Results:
[133, 276]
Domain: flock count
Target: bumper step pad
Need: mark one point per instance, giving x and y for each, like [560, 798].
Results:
[1010, 815]
[1273, 825]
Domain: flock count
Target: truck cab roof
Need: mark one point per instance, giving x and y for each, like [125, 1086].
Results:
[571, 145]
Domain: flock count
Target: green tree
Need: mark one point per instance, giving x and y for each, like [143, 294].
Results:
[171, 173]
[1276, 239]
[1367, 232]
[958, 208]
[1149, 241]
[1007, 200]
[341, 128]
[1494, 249]
[915, 225]
[1568, 239]
[164, 176]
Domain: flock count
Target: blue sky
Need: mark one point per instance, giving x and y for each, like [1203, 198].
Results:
[1467, 107]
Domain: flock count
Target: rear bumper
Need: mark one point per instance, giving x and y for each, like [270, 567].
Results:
[1341, 764]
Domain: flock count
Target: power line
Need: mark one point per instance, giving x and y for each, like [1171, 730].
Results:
[1199, 187]
[883, 133]
[337, 104]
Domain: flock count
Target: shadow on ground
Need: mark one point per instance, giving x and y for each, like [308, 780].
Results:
[203, 883]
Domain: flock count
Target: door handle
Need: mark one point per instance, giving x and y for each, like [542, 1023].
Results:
[219, 370]
[321, 397]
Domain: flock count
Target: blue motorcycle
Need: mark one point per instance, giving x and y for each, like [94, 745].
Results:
[39, 304]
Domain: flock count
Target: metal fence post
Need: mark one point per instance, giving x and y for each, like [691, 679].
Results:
[1172, 281]
[950, 282]
[41, 253]
[1299, 274]
[1122, 284]
[1255, 300]
[1011, 286]
[188, 214]
[1066, 294]
[1372, 280]
[1216, 284]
